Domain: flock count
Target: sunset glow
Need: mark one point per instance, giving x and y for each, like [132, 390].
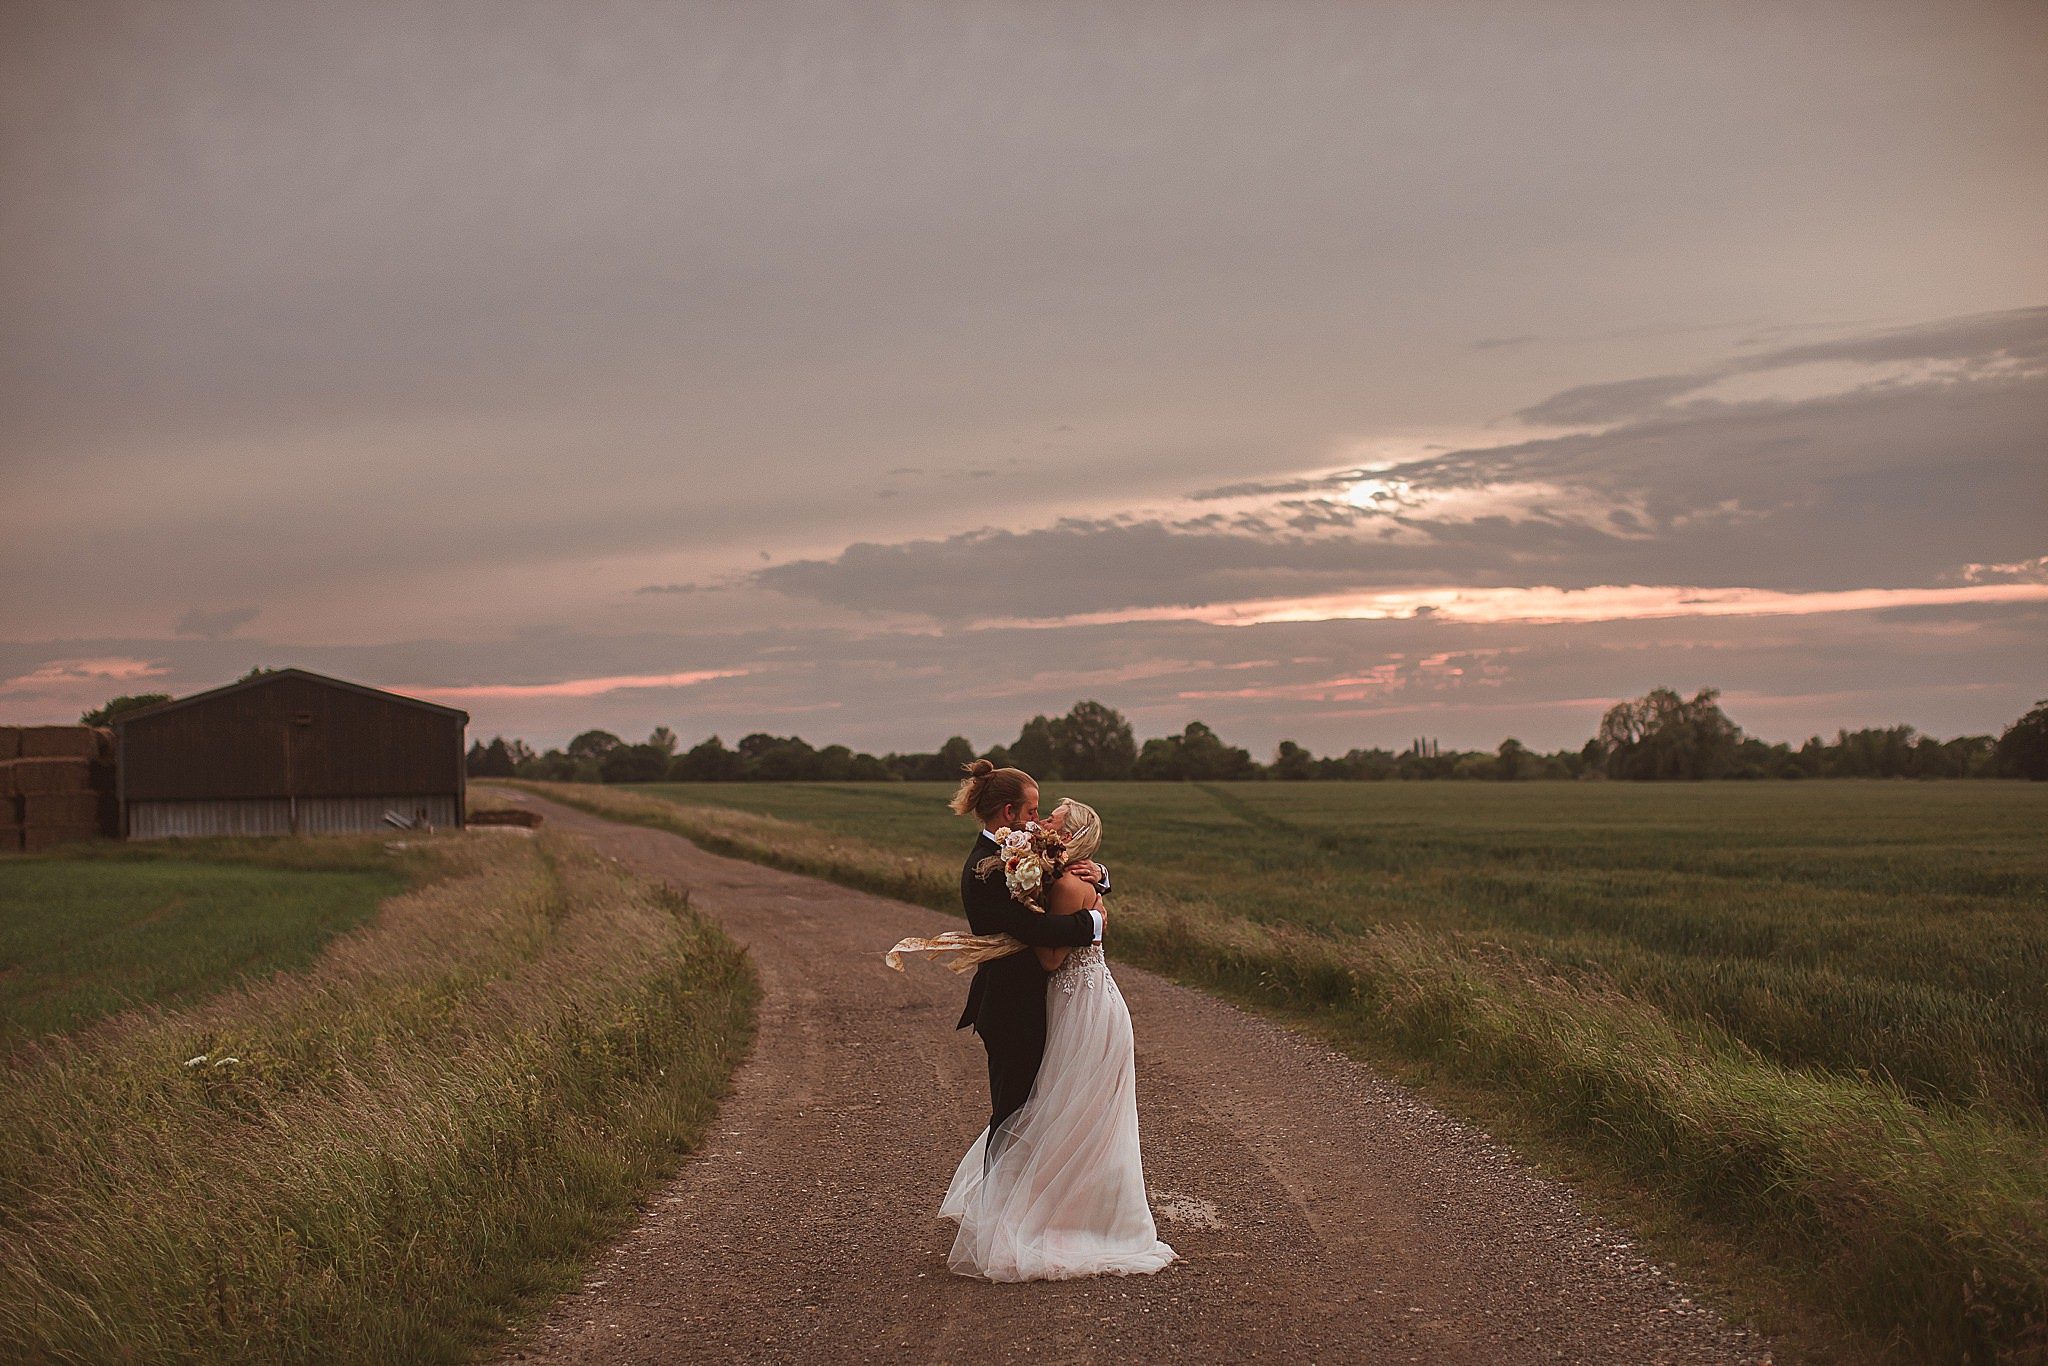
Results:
[579, 687]
[1543, 605]
[68, 675]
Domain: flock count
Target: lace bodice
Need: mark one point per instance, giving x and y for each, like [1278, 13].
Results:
[1083, 969]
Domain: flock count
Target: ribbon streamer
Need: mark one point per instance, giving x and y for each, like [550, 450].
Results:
[960, 952]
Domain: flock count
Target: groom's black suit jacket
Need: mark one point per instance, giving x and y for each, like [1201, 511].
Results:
[1006, 1004]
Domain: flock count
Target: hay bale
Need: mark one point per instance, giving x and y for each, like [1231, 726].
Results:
[51, 775]
[34, 837]
[61, 808]
[49, 742]
[8, 786]
[10, 742]
[103, 744]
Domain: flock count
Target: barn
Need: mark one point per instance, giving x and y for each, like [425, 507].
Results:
[287, 752]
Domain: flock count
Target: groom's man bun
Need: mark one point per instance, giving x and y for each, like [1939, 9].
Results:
[986, 790]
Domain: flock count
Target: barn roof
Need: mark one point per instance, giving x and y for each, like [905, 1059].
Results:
[274, 676]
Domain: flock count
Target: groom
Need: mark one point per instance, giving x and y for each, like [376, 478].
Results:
[1006, 1004]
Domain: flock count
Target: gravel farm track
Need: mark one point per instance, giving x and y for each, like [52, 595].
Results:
[1326, 1214]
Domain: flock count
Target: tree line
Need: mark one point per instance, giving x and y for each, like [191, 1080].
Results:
[1659, 736]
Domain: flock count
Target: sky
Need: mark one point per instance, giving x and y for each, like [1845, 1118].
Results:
[1343, 373]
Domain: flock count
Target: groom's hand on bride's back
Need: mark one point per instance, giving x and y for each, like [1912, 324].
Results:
[1092, 872]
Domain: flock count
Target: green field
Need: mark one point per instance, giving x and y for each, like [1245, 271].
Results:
[371, 1131]
[91, 930]
[1812, 1017]
[1894, 928]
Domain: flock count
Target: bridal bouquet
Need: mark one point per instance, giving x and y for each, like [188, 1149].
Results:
[1032, 857]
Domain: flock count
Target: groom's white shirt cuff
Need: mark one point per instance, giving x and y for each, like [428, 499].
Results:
[1093, 914]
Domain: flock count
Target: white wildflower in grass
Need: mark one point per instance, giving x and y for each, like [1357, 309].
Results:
[196, 1062]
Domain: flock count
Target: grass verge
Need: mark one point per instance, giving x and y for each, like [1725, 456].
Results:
[385, 1156]
[1923, 1226]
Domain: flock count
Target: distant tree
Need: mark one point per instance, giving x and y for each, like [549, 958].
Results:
[708, 762]
[868, 769]
[1661, 735]
[1159, 760]
[642, 763]
[2023, 749]
[1037, 750]
[1478, 765]
[593, 745]
[1197, 754]
[1366, 765]
[834, 764]
[1292, 763]
[1513, 761]
[554, 766]
[257, 672]
[104, 716]
[663, 739]
[778, 759]
[1094, 744]
[953, 756]
[491, 761]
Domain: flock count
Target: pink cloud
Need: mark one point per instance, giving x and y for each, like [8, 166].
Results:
[66, 675]
[579, 687]
[1543, 604]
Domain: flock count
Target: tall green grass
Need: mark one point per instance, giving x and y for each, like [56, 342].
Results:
[379, 1157]
[1810, 1021]
[87, 930]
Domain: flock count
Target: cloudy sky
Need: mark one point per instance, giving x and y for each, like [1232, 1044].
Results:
[880, 371]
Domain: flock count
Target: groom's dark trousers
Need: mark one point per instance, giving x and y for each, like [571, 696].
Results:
[1006, 1004]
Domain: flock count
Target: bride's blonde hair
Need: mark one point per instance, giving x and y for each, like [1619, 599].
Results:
[1080, 827]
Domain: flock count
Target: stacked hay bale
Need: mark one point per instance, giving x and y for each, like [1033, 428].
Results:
[56, 785]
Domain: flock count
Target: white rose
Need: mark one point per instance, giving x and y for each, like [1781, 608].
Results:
[1028, 876]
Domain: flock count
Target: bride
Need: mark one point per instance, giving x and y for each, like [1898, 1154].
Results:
[1060, 1191]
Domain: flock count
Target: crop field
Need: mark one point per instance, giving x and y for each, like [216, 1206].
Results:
[1812, 1017]
[95, 928]
[1890, 928]
[379, 1093]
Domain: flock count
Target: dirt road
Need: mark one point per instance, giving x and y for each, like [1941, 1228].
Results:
[1326, 1214]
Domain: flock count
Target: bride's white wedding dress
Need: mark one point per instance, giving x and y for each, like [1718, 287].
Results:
[1065, 1195]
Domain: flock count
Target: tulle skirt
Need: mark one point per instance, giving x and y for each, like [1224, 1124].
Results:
[1065, 1195]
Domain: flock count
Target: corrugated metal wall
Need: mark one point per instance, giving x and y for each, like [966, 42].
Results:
[273, 815]
[286, 735]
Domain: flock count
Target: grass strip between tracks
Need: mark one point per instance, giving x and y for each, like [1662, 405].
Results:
[386, 1155]
[1923, 1227]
